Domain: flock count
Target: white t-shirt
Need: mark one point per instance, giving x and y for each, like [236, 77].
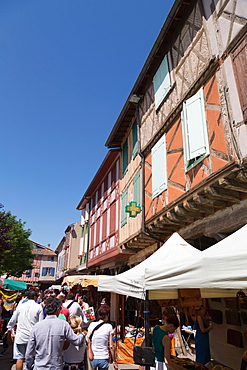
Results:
[74, 354]
[100, 339]
[74, 309]
[26, 315]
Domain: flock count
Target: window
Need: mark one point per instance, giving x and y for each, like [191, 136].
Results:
[51, 258]
[137, 188]
[48, 271]
[194, 126]
[239, 58]
[161, 82]
[36, 274]
[134, 139]
[28, 273]
[124, 204]
[125, 157]
[159, 168]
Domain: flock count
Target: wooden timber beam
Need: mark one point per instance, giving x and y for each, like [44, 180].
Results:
[173, 217]
[189, 216]
[195, 207]
[203, 200]
[233, 185]
[225, 221]
[222, 194]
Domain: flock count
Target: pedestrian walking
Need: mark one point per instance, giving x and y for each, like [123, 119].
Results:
[26, 316]
[45, 346]
[73, 306]
[74, 355]
[100, 340]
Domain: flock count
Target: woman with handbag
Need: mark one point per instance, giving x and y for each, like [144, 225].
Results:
[161, 339]
[100, 343]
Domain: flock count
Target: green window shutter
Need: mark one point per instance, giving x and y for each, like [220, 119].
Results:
[137, 188]
[161, 82]
[159, 168]
[134, 139]
[194, 125]
[125, 157]
[124, 199]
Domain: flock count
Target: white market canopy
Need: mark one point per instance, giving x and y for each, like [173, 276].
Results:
[132, 282]
[219, 271]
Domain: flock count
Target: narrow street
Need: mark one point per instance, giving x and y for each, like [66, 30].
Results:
[7, 364]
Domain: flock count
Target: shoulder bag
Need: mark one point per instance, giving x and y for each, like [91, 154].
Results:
[143, 356]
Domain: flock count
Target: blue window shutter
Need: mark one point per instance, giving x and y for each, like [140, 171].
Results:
[194, 128]
[44, 271]
[52, 271]
[134, 139]
[159, 168]
[161, 82]
[137, 188]
[124, 204]
[125, 157]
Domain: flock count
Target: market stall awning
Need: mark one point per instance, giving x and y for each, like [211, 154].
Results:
[219, 271]
[83, 280]
[132, 282]
[14, 284]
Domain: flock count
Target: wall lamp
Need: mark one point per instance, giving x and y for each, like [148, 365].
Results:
[135, 98]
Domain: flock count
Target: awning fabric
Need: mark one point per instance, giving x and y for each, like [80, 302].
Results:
[132, 282]
[219, 271]
[83, 280]
[14, 284]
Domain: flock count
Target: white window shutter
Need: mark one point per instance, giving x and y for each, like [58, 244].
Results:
[159, 168]
[161, 82]
[195, 127]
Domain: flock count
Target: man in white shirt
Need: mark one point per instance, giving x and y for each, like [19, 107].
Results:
[73, 306]
[26, 315]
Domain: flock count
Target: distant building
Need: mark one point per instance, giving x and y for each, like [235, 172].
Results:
[44, 267]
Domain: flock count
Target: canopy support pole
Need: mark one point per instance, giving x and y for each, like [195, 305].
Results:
[146, 323]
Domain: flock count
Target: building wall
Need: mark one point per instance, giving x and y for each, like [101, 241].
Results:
[47, 269]
[133, 224]
[75, 235]
[191, 56]
[104, 218]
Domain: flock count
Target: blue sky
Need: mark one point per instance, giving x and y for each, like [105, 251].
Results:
[66, 70]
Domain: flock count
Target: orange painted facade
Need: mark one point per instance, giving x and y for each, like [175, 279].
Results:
[178, 180]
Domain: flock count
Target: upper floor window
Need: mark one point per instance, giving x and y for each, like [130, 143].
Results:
[125, 157]
[51, 258]
[48, 271]
[195, 137]
[159, 167]
[28, 273]
[134, 139]
[137, 188]
[124, 204]
[239, 58]
[161, 82]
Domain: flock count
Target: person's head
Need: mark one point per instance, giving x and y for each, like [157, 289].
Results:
[53, 306]
[172, 323]
[75, 323]
[103, 312]
[32, 295]
[84, 298]
[201, 310]
[61, 297]
[70, 296]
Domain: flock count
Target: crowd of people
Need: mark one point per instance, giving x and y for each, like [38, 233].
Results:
[53, 332]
